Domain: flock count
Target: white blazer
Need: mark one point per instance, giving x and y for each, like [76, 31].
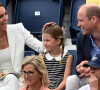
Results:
[18, 36]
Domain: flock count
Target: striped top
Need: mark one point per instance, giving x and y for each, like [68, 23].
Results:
[55, 70]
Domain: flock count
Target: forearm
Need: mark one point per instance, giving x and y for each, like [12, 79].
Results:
[61, 86]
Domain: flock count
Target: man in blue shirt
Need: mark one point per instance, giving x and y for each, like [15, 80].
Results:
[88, 44]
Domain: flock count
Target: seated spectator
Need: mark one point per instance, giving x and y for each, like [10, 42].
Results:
[57, 59]
[13, 38]
[94, 79]
[88, 44]
[35, 74]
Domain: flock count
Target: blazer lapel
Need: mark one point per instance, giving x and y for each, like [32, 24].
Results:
[87, 47]
[11, 40]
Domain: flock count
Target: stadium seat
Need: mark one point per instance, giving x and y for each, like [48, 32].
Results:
[35, 13]
[74, 53]
[28, 53]
[74, 30]
[3, 2]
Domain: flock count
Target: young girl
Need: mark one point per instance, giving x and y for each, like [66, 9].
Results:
[57, 59]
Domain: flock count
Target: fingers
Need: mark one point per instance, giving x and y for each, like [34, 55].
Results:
[81, 64]
[1, 74]
[92, 76]
[87, 70]
[85, 78]
[80, 67]
[50, 23]
[84, 72]
[93, 81]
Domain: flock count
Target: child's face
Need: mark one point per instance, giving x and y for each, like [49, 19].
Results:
[49, 42]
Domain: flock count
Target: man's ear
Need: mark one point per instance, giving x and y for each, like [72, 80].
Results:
[94, 19]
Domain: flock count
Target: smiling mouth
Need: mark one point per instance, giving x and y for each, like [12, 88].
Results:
[28, 80]
[46, 46]
[82, 29]
[4, 24]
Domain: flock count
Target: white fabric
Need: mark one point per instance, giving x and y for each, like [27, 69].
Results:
[10, 82]
[73, 82]
[4, 56]
[5, 61]
[49, 57]
[18, 36]
[86, 87]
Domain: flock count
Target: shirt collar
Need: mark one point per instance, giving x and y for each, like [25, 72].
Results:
[49, 57]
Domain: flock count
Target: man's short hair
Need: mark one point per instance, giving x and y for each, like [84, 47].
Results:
[93, 11]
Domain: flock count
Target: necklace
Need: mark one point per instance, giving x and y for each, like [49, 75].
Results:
[3, 37]
[3, 41]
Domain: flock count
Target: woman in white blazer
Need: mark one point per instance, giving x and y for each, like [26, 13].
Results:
[12, 42]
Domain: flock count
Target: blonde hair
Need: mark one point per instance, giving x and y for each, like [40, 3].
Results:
[39, 65]
[56, 32]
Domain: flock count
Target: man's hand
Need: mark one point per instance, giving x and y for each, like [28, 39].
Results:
[85, 74]
[84, 71]
[93, 82]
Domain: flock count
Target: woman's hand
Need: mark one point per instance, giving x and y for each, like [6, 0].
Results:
[40, 55]
[49, 23]
[2, 74]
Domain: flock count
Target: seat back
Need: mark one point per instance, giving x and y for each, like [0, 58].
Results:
[74, 53]
[3, 2]
[75, 4]
[35, 13]
[28, 53]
